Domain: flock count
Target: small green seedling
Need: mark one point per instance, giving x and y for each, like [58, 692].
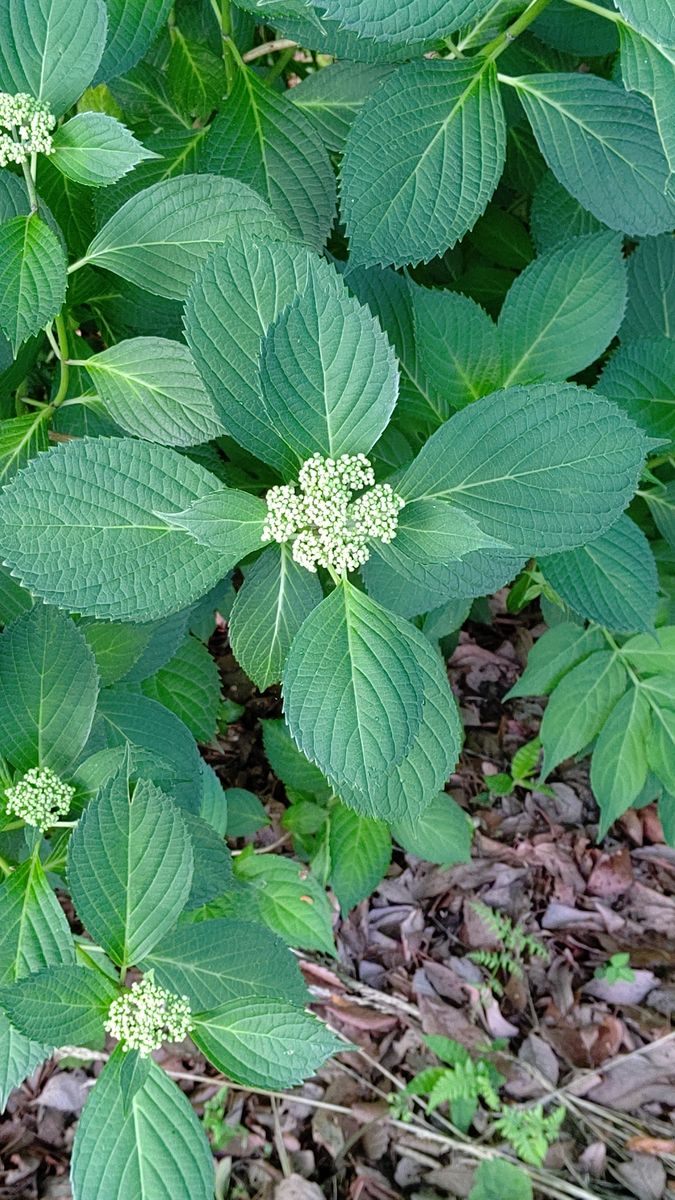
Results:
[617, 969]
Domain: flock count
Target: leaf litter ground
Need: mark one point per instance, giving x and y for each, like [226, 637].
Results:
[605, 1049]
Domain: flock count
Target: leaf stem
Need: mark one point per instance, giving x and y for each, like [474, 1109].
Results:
[598, 10]
[268, 48]
[62, 334]
[504, 39]
[30, 188]
[280, 65]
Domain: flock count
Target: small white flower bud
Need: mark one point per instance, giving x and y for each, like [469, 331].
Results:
[40, 798]
[148, 1015]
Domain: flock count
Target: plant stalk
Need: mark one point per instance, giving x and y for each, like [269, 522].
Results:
[599, 12]
[504, 39]
[62, 334]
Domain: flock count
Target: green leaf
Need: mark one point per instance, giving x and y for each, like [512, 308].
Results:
[124, 718]
[661, 745]
[245, 813]
[130, 870]
[271, 605]
[60, 1006]
[189, 686]
[116, 647]
[410, 787]
[21, 438]
[640, 378]
[34, 932]
[264, 1043]
[196, 76]
[151, 387]
[213, 873]
[619, 763]
[402, 21]
[149, 1145]
[651, 290]
[458, 347]
[94, 149]
[360, 853]
[18, 1058]
[132, 28]
[423, 158]
[580, 705]
[353, 691]
[51, 48]
[329, 376]
[288, 764]
[239, 293]
[654, 18]
[161, 236]
[555, 216]
[602, 144]
[661, 503]
[290, 901]
[652, 653]
[48, 691]
[481, 573]
[429, 532]
[441, 833]
[227, 521]
[92, 504]
[563, 310]
[542, 468]
[217, 961]
[265, 141]
[553, 655]
[650, 69]
[499, 1180]
[32, 277]
[331, 98]
[611, 580]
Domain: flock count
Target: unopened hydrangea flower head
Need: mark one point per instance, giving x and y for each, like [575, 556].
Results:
[326, 524]
[28, 124]
[40, 798]
[147, 1015]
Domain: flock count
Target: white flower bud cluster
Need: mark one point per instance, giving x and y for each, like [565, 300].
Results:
[327, 526]
[40, 798]
[28, 123]
[148, 1015]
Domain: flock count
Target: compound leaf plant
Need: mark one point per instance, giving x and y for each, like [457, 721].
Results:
[333, 359]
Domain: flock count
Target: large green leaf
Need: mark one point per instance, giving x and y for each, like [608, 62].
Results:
[288, 764]
[161, 236]
[290, 900]
[431, 532]
[227, 521]
[360, 853]
[94, 149]
[130, 870]
[116, 646]
[48, 691]
[189, 686]
[412, 591]
[216, 961]
[32, 277]
[151, 387]
[265, 141]
[640, 378]
[61, 1005]
[196, 76]
[555, 216]
[18, 1058]
[650, 69]
[263, 1042]
[332, 98]
[401, 21]
[441, 833]
[271, 605]
[51, 48]
[92, 504]
[239, 293]
[149, 1145]
[603, 145]
[654, 18]
[329, 376]
[20, 440]
[650, 311]
[580, 705]
[619, 763]
[611, 580]
[155, 732]
[353, 691]
[563, 310]
[458, 347]
[553, 655]
[132, 27]
[542, 468]
[423, 158]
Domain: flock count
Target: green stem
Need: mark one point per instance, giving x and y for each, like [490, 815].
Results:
[280, 65]
[62, 334]
[599, 12]
[30, 187]
[504, 39]
[469, 40]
